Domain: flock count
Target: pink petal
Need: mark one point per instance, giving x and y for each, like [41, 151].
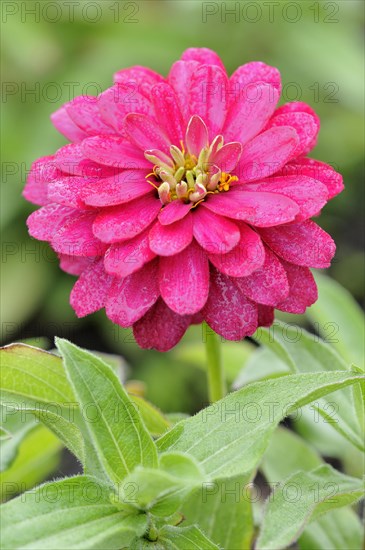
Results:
[146, 133]
[121, 188]
[75, 237]
[267, 153]
[90, 290]
[43, 171]
[84, 112]
[168, 112]
[173, 212]
[227, 156]
[227, 311]
[180, 78]
[122, 259]
[302, 289]
[302, 243]
[197, 318]
[130, 298]
[265, 315]
[317, 170]
[300, 107]
[72, 160]
[123, 222]
[214, 233]
[43, 223]
[196, 135]
[62, 121]
[143, 78]
[207, 97]
[246, 76]
[160, 328]
[74, 265]
[203, 56]
[248, 116]
[114, 151]
[305, 125]
[184, 280]
[68, 190]
[309, 194]
[268, 285]
[260, 209]
[120, 100]
[246, 257]
[167, 240]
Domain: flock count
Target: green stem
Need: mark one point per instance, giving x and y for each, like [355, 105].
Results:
[215, 373]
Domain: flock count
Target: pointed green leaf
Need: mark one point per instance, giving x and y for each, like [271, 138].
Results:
[74, 513]
[261, 365]
[301, 498]
[278, 464]
[339, 319]
[222, 509]
[335, 530]
[66, 431]
[31, 376]
[309, 353]
[156, 423]
[38, 456]
[160, 492]
[17, 426]
[229, 437]
[116, 428]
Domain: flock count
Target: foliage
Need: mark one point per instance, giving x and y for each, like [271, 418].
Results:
[191, 484]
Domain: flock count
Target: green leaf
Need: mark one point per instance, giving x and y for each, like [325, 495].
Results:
[74, 513]
[308, 353]
[229, 437]
[31, 376]
[299, 349]
[327, 441]
[155, 422]
[277, 463]
[160, 492]
[117, 430]
[177, 538]
[266, 337]
[339, 319]
[66, 431]
[234, 356]
[189, 538]
[301, 498]
[222, 509]
[4, 435]
[262, 364]
[22, 385]
[34, 379]
[335, 530]
[16, 426]
[37, 458]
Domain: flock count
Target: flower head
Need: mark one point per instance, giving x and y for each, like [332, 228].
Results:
[186, 198]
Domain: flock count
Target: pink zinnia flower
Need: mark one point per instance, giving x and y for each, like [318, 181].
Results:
[186, 198]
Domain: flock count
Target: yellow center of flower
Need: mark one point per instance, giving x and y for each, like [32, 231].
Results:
[181, 175]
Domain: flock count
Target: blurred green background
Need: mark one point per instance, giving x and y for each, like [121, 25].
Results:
[52, 51]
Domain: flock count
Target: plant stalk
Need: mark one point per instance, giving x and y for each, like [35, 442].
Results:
[215, 373]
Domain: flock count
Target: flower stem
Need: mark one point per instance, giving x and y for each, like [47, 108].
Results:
[215, 373]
